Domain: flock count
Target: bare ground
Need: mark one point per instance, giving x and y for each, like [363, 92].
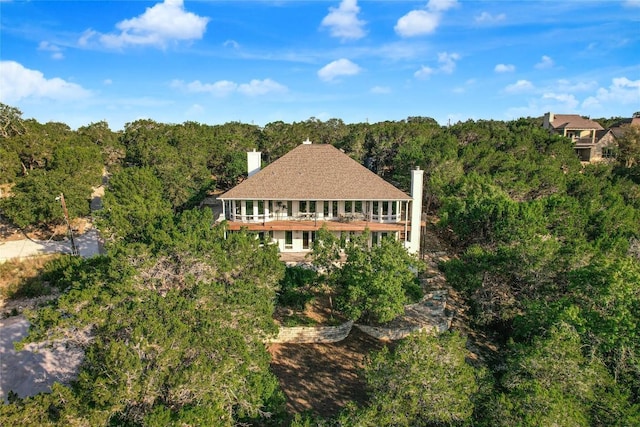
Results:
[323, 378]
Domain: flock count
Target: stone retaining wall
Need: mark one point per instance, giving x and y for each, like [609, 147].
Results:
[427, 315]
[392, 334]
[313, 334]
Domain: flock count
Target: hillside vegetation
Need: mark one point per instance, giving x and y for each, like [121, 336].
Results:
[547, 259]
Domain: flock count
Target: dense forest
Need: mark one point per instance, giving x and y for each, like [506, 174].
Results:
[547, 259]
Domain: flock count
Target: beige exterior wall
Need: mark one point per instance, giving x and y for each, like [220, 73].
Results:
[298, 240]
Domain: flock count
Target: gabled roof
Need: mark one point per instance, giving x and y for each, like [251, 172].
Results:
[618, 129]
[315, 172]
[573, 121]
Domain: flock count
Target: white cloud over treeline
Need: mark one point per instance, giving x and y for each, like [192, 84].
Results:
[18, 83]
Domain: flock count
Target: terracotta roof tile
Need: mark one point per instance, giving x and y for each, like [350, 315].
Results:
[315, 172]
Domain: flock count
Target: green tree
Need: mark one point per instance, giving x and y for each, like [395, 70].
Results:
[629, 145]
[34, 199]
[102, 136]
[551, 382]
[424, 381]
[134, 206]
[11, 122]
[376, 282]
[60, 407]
[326, 251]
[9, 165]
[178, 333]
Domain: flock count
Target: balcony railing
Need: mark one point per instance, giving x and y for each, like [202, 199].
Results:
[310, 216]
[583, 141]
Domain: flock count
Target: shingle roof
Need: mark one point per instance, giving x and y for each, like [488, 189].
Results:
[315, 172]
[574, 121]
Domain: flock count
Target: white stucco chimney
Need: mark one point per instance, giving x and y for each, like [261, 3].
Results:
[254, 162]
[306, 141]
[417, 177]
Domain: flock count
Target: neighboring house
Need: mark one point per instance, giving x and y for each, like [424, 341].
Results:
[618, 129]
[591, 141]
[317, 185]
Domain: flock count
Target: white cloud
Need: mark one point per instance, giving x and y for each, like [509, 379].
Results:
[380, 90]
[621, 91]
[219, 88]
[56, 51]
[231, 43]
[504, 68]
[568, 101]
[447, 64]
[564, 85]
[194, 110]
[107, 82]
[158, 25]
[85, 38]
[223, 88]
[419, 22]
[441, 5]
[261, 87]
[340, 67]
[487, 18]
[18, 82]
[447, 61]
[463, 89]
[519, 87]
[424, 72]
[632, 3]
[545, 62]
[343, 21]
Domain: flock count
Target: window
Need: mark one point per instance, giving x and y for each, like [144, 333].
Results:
[288, 239]
[307, 239]
[312, 206]
[608, 153]
[249, 208]
[358, 206]
[260, 207]
[334, 209]
[325, 209]
[347, 206]
[302, 206]
[375, 208]
[289, 207]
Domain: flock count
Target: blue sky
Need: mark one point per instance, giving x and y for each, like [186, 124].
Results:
[213, 62]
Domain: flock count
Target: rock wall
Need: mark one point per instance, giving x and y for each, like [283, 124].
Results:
[313, 334]
[428, 315]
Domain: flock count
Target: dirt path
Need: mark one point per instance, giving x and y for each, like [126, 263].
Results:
[323, 378]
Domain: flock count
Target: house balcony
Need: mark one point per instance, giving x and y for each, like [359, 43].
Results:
[583, 142]
[355, 225]
[314, 217]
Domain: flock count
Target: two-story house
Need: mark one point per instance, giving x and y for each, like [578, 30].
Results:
[317, 185]
[591, 141]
